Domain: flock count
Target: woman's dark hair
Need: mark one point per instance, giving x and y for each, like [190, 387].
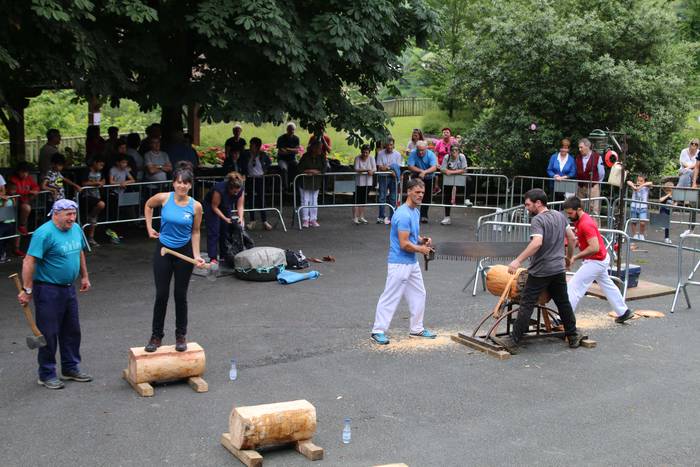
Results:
[420, 134]
[183, 171]
[133, 140]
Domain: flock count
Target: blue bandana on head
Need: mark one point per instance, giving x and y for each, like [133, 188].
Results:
[62, 205]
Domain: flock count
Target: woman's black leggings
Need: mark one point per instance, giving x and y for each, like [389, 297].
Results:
[163, 269]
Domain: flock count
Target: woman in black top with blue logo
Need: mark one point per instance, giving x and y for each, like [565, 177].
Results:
[181, 217]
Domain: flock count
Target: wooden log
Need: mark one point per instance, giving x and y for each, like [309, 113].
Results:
[280, 423]
[249, 457]
[165, 364]
[309, 450]
[143, 389]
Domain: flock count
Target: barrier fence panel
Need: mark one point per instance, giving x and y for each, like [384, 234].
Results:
[471, 190]
[688, 242]
[262, 194]
[9, 215]
[559, 189]
[334, 190]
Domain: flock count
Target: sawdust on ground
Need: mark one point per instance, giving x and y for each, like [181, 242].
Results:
[407, 344]
[593, 320]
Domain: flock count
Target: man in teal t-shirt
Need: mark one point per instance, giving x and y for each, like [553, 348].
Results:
[54, 260]
[404, 279]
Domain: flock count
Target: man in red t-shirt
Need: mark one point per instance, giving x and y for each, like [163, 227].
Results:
[595, 262]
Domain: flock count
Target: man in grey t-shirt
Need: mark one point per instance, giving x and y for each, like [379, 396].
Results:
[547, 270]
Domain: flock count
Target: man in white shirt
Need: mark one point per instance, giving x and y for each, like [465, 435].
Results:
[388, 160]
[589, 167]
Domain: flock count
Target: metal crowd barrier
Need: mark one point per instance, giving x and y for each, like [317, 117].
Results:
[337, 185]
[273, 181]
[685, 281]
[476, 190]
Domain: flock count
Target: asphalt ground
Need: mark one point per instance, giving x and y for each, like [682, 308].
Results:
[633, 400]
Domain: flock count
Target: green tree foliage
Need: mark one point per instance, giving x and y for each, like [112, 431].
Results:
[572, 66]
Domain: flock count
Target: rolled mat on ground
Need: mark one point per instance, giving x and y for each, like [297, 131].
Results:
[289, 277]
[261, 263]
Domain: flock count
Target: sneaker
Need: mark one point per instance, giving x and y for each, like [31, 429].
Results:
[641, 237]
[314, 224]
[507, 343]
[423, 220]
[686, 232]
[214, 261]
[635, 237]
[380, 220]
[267, 225]
[363, 220]
[76, 375]
[356, 220]
[153, 344]
[113, 237]
[575, 340]
[93, 242]
[446, 221]
[437, 190]
[180, 343]
[23, 230]
[425, 334]
[628, 315]
[467, 202]
[387, 221]
[52, 383]
[251, 225]
[380, 338]
[19, 253]
[305, 224]
[668, 241]
[4, 258]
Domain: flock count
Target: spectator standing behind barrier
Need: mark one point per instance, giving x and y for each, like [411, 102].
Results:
[180, 150]
[110, 148]
[667, 200]
[589, 167]
[158, 166]
[53, 139]
[312, 164]
[233, 148]
[152, 131]
[287, 150]
[133, 140]
[219, 204]
[365, 166]
[255, 164]
[325, 145]
[442, 146]
[54, 260]
[93, 197]
[27, 188]
[452, 165]
[404, 278]
[688, 160]
[181, 217]
[388, 160]
[423, 163]
[120, 175]
[562, 165]
[639, 206]
[94, 143]
[416, 135]
[7, 225]
[54, 181]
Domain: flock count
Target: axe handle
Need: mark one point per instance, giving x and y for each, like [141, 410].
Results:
[167, 251]
[27, 311]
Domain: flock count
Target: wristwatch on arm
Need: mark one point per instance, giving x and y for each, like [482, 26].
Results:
[27, 290]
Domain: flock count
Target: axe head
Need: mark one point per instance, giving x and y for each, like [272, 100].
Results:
[34, 342]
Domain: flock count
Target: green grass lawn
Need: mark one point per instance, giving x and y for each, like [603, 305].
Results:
[217, 134]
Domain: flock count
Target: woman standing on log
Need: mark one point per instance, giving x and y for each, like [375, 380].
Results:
[181, 217]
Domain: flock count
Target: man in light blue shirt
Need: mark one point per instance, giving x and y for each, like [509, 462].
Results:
[404, 278]
[423, 163]
[54, 260]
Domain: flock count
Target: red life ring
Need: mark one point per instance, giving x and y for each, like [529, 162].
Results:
[611, 158]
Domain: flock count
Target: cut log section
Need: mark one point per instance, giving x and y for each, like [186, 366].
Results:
[166, 364]
[264, 425]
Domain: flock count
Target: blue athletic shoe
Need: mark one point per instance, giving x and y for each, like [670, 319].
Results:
[380, 338]
[425, 334]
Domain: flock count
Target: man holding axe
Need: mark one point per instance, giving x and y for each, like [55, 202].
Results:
[54, 260]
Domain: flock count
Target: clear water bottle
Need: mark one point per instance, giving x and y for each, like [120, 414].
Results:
[233, 373]
[347, 434]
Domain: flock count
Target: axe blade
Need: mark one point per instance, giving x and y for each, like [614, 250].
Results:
[35, 342]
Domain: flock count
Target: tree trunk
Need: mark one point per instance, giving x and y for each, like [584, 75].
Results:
[263, 425]
[14, 122]
[170, 121]
[193, 122]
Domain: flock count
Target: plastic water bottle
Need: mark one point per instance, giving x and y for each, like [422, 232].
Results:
[347, 434]
[233, 373]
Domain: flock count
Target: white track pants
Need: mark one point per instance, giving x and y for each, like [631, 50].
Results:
[402, 280]
[595, 270]
[309, 198]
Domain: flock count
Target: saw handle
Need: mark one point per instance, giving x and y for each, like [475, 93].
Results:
[167, 251]
[27, 311]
